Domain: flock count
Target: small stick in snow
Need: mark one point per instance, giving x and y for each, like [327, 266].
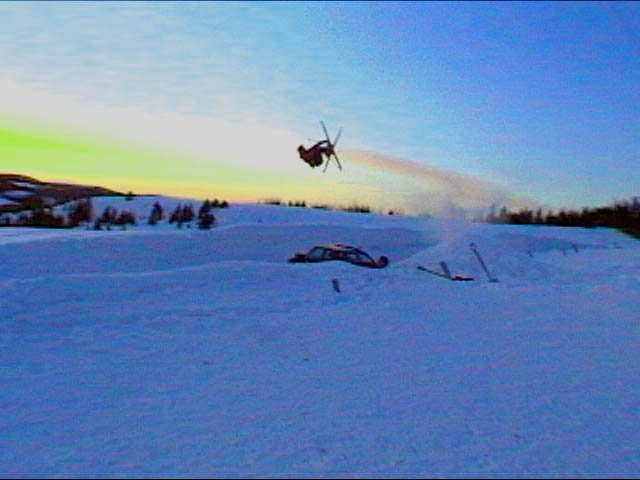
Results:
[336, 285]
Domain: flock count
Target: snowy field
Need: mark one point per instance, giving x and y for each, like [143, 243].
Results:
[158, 352]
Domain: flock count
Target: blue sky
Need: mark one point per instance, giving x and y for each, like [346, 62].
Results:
[539, 98]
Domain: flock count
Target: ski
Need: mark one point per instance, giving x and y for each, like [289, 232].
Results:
[446, 273]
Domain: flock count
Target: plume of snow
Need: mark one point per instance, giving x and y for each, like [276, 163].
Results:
[442, 192]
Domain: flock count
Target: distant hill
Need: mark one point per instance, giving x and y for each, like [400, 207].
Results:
[19, 192]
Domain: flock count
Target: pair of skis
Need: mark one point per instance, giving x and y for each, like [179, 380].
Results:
[331, 147]
[446, 273]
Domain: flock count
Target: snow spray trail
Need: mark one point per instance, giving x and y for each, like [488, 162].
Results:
[441, 192]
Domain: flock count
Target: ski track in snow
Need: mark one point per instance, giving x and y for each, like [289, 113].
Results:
[182, 353]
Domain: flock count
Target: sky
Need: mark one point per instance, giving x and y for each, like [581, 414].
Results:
[443, 104]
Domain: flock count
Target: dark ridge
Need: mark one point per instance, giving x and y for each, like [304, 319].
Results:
[38, 194]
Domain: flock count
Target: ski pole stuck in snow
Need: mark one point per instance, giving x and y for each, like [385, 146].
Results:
[484, 267]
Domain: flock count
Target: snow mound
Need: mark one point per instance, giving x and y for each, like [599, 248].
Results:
[519, 254]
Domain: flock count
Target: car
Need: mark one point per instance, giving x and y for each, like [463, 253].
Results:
[342, 252]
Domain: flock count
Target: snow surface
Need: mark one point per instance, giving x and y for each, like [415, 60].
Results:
[25, 184]
[18, 193]
[5, 202]
[158, 352]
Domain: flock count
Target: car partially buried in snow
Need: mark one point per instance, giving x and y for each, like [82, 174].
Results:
[339, 251]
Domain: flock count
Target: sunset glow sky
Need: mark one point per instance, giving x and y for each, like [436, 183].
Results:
[442, 104]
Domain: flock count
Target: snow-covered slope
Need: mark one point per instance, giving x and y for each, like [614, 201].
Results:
[184, 353]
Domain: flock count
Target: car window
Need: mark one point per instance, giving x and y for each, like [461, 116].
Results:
[354, 257]
[337, 254]
[362, 258]
[316, 253]
[366, 258]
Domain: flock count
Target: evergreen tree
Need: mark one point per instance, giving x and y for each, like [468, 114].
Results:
[176, 216]
[187, 213]
[206, 221]
[125, 218]
[44, 217]
[109, 215]
[204, 208]
[538, 218]
[157, 214]
[80, 212]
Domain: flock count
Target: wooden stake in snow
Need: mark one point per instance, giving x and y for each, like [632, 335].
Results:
[336, 285]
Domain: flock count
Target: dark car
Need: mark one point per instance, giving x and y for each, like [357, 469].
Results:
[339, 251]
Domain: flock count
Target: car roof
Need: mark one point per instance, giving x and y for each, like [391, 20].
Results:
[339, 246]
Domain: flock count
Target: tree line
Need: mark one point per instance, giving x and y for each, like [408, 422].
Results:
[354, 208]
[81, 213]
[622, 215]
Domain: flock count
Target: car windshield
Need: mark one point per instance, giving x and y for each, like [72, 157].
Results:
[358, 257]
[315, 253]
